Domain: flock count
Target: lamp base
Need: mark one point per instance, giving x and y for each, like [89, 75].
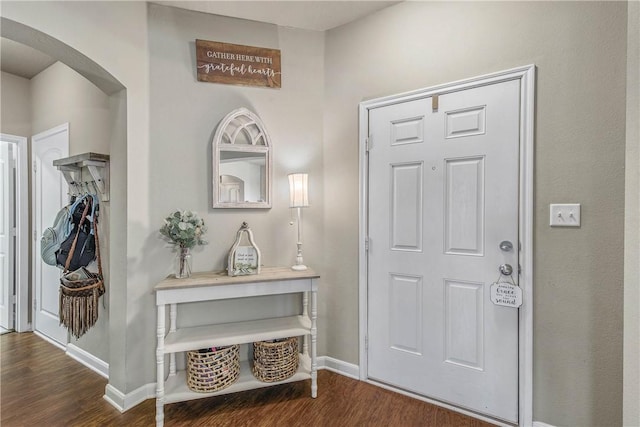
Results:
[300, 267]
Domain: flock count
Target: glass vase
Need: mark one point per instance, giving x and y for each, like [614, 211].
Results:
[183, 263]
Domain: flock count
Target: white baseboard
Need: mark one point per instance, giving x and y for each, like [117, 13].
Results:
[339, 367]
[50, 341]
[123, 402]
[541, 424]
[89, 360]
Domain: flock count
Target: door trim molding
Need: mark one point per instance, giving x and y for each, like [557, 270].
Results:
[526, 75]
[21, 320]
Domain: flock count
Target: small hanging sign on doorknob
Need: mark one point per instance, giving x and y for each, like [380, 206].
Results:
[506, 294]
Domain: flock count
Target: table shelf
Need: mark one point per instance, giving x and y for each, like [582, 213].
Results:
[177, 389]
[194, 338]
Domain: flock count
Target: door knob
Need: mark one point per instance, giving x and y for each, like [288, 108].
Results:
[506, 269]
[506, 246]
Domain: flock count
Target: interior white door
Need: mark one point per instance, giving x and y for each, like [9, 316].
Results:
[7, 235]
[49, 196]
[443, 195]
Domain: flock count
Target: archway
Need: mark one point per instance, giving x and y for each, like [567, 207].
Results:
[117, 105]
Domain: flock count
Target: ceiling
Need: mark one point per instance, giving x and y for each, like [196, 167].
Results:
[307, 15]
[21, 60]
[24, 61]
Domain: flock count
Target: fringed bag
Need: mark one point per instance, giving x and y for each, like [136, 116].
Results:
[80, 290]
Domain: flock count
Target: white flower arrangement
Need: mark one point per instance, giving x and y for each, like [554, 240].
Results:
[184, 229]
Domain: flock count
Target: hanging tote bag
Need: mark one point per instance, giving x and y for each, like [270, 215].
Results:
[80, 290]
[53, 236]
[81, 235]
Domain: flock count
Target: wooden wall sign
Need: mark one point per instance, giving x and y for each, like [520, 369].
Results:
[238, 65]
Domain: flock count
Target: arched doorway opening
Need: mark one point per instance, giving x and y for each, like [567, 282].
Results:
[96, 342]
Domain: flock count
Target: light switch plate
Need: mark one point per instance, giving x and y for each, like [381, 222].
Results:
[564, 215]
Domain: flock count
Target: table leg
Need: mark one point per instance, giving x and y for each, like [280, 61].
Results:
[305, 313]
[160, 368]
[173, 315]
[314, 332]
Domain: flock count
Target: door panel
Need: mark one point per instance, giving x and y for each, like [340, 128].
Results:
[464, 326]
[50, 195]
[406, 207]
[465, 122]
[405, 313]
[443, 193]
[464, 206]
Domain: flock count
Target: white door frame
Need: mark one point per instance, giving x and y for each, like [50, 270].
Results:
[526, 75]
[21, 321]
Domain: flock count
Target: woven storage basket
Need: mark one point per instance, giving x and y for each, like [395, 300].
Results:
[275, 361]
[213, 370]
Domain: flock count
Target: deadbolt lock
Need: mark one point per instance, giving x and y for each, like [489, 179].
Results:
[506, 246]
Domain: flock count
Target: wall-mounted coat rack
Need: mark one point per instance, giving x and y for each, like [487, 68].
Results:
[97, 165]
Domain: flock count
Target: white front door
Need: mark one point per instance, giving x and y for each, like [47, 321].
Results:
[49, 196]
[7, 235]
[443, 194]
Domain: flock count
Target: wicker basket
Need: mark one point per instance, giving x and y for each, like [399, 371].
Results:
[213, 370]
[275, 361]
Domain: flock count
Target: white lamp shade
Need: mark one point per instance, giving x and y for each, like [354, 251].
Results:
[298, 190]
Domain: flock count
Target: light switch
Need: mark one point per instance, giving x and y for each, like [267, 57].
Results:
[564, 215]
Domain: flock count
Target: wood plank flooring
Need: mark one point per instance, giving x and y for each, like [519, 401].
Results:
[41, 386]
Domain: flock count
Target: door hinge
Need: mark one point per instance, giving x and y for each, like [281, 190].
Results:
[366, 342]
[14, 299]
[35, 235]
[367, 143]
[35, 304]
[35, 167]
[366, 244]
[14, 232]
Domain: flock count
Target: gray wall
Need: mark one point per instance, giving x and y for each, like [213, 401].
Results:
[632, 225]
[15, 110]
[58, 95]
[184, 114]
[580, 50]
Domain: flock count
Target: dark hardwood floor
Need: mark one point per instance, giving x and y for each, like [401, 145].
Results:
[41, 386]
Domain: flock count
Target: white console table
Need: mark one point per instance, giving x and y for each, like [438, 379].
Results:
[209, 286]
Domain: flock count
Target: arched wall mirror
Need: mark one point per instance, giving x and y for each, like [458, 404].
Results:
[241, 162]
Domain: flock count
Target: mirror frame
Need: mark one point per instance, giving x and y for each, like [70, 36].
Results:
[229, 128]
